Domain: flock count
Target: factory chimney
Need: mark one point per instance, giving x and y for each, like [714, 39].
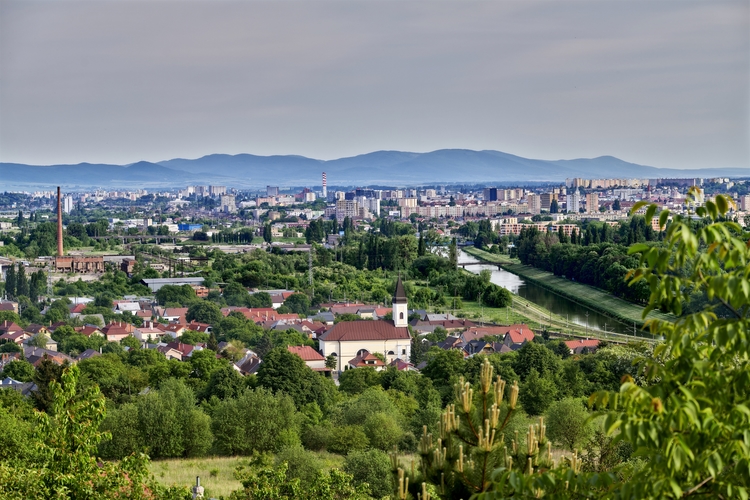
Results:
[59, 224]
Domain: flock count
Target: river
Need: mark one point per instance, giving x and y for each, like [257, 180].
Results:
[576, 313]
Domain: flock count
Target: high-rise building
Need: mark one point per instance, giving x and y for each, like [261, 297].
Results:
[217, 190]
[745, 202]
[227, 204]
[573, 201]
[592, 203]
[490, 194]
[272, 190]
[68, 204]
[546, 200]
[534, 202]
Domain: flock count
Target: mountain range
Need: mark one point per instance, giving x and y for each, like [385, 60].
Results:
[376, 168]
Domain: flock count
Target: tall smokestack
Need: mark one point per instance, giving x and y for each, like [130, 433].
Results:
[59, 224]
[325, 186]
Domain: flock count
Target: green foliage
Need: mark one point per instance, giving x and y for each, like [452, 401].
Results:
[567, 423]
[66, 438]
[357, 380]
[371, 469]
[180, 294]
[286, 372]
[204, 312]
[20, 370]
[537, 393]
[346, 438]
[258, 420]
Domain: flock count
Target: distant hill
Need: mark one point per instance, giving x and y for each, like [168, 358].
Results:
[379, 167]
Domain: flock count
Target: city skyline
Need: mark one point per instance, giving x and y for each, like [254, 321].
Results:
[663, 84]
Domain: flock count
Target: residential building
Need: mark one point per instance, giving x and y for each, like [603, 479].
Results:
[592, 203]
[534, 203]
[573, 202]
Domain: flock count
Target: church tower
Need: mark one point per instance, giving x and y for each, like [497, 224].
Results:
[400, 306]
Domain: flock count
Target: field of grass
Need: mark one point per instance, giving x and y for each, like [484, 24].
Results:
[589, 296]
[216, 473]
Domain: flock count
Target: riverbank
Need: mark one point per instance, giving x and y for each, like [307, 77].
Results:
[585, 295]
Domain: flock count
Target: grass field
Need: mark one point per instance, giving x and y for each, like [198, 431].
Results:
[182, 472]
[594, 298]
[216, 473]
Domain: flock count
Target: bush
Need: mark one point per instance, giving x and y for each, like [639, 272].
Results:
[302, 464]
[383, 431]
[372, 467]
[346, 438]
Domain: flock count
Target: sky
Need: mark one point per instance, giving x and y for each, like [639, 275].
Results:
[660, 83]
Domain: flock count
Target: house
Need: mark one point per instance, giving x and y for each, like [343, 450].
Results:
[34, 329]
[348, 339]
[402, 366]
[173, 329]
[581, 346]
[310, 356]
[249, 364]
[9, 327]
[7, 305]
[517, 336]
[198, 327]
[126, 305]
[169, 352]
[147, 332]
[15, 337]
[365, 359]
[88, 353]
[186, 350]
[49, 343]
[116, 331]
[89, 330]
[35, 355]
[175, 314]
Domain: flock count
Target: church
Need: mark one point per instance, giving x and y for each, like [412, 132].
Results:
[348, 340]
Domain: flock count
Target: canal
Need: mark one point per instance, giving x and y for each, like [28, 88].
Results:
[576, 313]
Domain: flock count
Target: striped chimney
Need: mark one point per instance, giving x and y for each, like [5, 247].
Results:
[59, 224]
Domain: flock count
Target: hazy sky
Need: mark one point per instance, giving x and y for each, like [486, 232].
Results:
[662, 83]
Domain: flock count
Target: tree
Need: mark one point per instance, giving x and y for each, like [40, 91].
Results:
[20, 370]
[22, 283]
[204, 312]
[67, 436]
[567, 423]
[10, 281]
[553, 207]
[267, 233]
[357, 380]
[371, 468]
[616, 205]
[286, 372]
[257, 420]
[688, 419]
[298, 303]
[537, 393]
[180, 294]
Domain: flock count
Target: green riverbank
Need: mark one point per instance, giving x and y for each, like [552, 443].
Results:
[585, 295]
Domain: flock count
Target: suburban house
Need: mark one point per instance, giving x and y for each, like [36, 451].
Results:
[366, 359]
[116, 331]
[348, 340]
[517, 336]
[310, 356]
[588, 346]
[9, 327]
[147, 332]
[89, 330]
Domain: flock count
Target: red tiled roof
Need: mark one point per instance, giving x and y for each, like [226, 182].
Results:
[365, 330]
[366, 359]
[577, 344]
[78, 308]
[520, 334]
[306, 352]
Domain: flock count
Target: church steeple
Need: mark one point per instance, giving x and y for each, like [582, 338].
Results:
[400, 306]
